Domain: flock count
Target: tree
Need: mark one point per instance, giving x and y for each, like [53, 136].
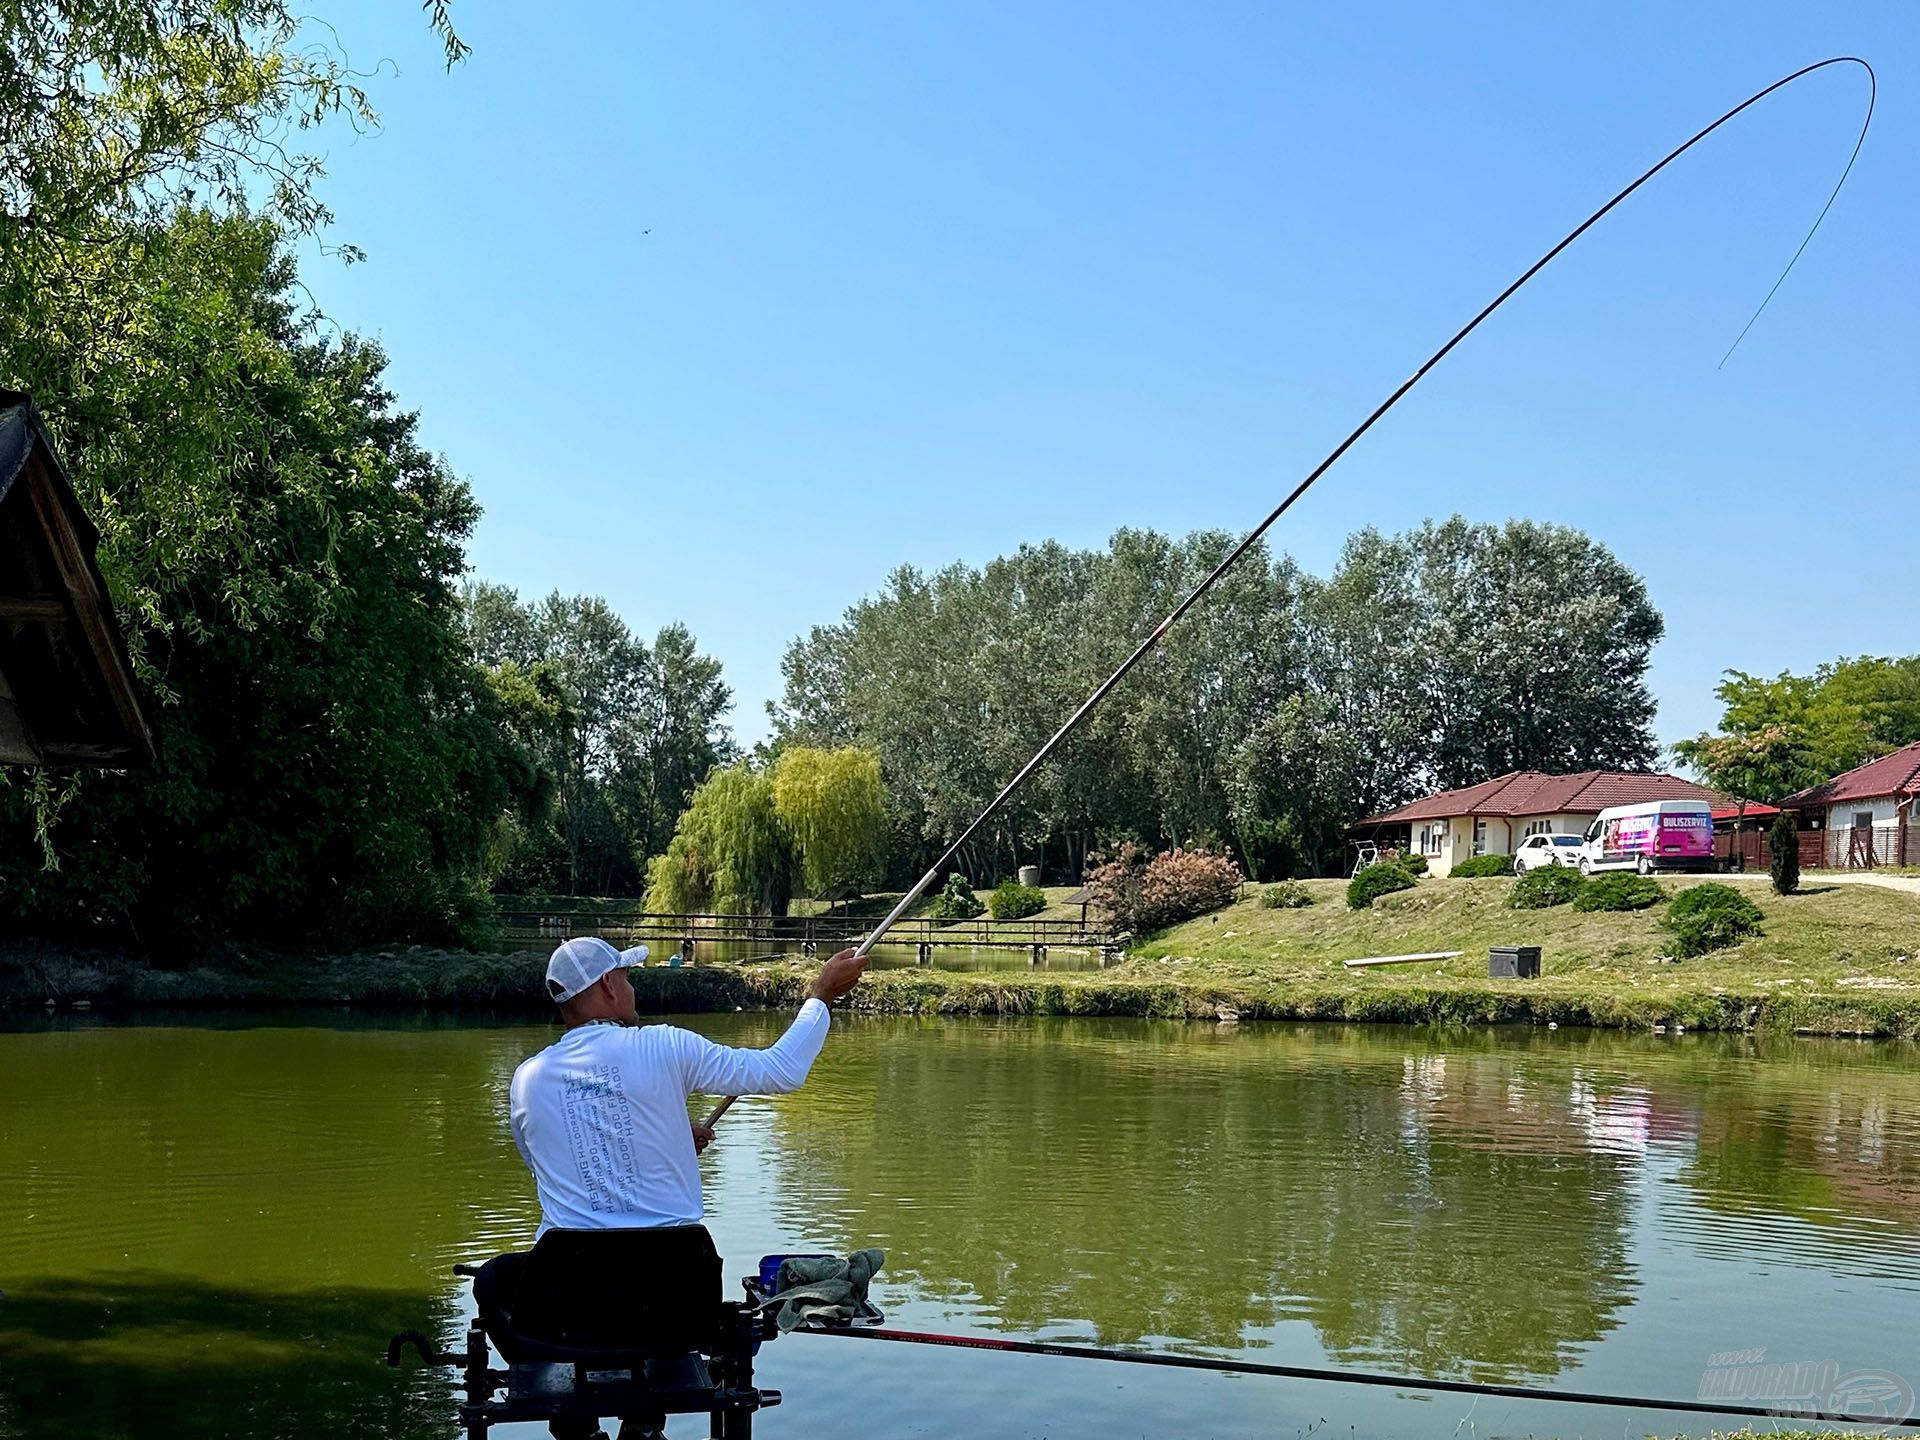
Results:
[1536, 646]
[730, 853]
[1783, 842]
[635, 730]
[1440, 656]
[1792, 731]
[283, 555]
[835, 808]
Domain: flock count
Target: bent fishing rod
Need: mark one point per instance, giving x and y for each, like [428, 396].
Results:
[1356, 1377]
[1253, 536]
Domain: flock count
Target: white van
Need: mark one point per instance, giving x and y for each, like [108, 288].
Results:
[1655, 835]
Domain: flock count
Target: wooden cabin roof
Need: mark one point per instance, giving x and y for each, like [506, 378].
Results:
[67, 695]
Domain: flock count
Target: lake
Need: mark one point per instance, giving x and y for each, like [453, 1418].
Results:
[212, 1229]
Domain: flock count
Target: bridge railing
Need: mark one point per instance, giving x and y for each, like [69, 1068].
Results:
[627, 927]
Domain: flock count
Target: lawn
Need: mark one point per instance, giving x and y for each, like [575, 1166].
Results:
[1835, 954]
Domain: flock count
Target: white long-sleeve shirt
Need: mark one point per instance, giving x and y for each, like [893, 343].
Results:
[600, 1115]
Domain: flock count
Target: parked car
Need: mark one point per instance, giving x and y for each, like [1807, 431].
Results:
[1657, 835]
[1538, 850]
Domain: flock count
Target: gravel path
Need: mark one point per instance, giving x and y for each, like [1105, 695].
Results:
[1909, 883]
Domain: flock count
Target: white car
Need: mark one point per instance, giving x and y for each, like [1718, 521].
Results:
[1538, 850]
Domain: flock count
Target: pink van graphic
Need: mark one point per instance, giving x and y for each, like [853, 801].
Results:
[1659, 835]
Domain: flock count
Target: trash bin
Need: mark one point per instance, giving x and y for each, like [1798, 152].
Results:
[1513, 962]
[1030, 876]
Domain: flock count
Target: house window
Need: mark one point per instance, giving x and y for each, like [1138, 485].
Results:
[1479, 837]
[1537, 827]
[1863, 819]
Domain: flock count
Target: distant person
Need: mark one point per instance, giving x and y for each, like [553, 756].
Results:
[600, 1115]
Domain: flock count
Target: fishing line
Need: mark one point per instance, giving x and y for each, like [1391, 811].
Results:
[1354, 1377]
[1106, 686]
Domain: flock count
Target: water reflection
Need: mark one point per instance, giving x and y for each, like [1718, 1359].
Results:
[211, 1232]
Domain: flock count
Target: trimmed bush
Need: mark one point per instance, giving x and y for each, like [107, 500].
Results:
[1288, 895]
[1619, 890]
[956, 902]
[1546, 887]
[1481, 866]
[1377, 880]
[1014, 901]
[1710, 917]
[1783, 844]
[1413, 864]
[1143, 893]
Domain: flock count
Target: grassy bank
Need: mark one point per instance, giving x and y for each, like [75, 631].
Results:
[1835, 960]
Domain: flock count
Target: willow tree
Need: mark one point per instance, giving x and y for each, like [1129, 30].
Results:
[730, 853]
[835, 807]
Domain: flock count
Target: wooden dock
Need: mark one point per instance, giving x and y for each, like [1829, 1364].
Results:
[802, 934]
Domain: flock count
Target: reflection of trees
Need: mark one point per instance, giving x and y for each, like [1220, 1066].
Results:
[1169, 1181]
[1820, 1141]
[214, 1233]
[144, 1355]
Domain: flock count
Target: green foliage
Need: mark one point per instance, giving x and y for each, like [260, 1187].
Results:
[1278, 713]
[1287, 895]
[1617, 890]
[1149, 892]
[1783, 845]
[834, 806]
[1413, 863]
[956, 902]
[1481, 866]
[283, 554]
[1710, 917]
[632, 730]
[1546, 887]
[1784, 734]
[1014, 901]
[730, 853]
[1377, 880]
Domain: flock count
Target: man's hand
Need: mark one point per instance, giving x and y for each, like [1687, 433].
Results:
[702, 1137]
[838, 976]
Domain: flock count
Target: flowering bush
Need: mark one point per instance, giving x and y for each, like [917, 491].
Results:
[1150, 893]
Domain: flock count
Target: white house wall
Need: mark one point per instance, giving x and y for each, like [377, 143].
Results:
[1446, 843]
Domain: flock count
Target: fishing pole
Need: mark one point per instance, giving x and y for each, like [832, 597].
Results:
[1252, 536]
[1247, 542]
[1356, 1377]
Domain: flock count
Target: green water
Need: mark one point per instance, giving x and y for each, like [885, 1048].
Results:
[212, 1231]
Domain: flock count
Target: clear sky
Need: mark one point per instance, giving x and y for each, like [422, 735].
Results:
[725, 309]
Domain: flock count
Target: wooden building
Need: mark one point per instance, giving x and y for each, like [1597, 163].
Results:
[67, 695]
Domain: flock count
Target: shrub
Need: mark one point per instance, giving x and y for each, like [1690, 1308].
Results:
[1014, 901]
[1412, 864]
[1783, 841]
[1484, 865]
[956, 902]
[1548, 886]
[1619, 890]
[1710, 917]
[1143, 893]
[1377, 880]
[1288, 895]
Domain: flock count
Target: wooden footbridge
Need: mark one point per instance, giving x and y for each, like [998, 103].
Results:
[804, 934]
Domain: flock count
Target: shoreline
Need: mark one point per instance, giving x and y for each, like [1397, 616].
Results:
[417, 978]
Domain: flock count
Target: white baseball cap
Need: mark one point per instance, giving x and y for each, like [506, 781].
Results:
[578, 963]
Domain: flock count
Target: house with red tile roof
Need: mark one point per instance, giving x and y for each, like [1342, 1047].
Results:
[1871, 813]
[1495, 816]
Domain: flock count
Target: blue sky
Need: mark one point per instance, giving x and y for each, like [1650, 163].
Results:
[726, 310]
